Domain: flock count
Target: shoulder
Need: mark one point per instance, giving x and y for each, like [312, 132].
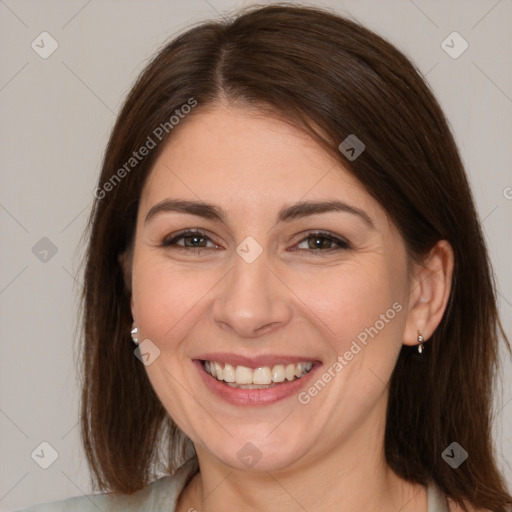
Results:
[82, 503]
[162, 494]
[141, 500]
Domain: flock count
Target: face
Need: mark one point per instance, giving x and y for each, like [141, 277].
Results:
[258, 255]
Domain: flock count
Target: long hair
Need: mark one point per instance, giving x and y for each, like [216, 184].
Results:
[333, 78]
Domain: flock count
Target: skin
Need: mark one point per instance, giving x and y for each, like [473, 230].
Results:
[293, 299]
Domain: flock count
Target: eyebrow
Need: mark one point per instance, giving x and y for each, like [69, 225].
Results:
[286, 214]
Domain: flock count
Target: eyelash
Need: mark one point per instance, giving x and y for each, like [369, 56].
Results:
[172, 242]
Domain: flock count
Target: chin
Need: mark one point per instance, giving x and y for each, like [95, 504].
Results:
[259, 453]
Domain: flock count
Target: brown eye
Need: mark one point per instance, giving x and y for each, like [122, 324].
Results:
[194, 241]
[322, 242]
[189, 240]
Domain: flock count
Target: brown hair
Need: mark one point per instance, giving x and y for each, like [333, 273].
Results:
[333, 78]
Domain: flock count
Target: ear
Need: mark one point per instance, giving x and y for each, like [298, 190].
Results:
[430, 287]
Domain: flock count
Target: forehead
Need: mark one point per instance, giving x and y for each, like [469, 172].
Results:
[241, 159]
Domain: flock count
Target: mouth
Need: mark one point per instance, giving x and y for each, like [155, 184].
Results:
[257, 381]
[262, 377]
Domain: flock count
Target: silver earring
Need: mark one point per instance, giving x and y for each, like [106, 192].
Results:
[135, 334]
[420, 341]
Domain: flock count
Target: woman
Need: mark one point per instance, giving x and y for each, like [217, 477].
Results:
[284, 228]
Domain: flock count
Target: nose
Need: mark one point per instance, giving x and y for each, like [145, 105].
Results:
[252, 300]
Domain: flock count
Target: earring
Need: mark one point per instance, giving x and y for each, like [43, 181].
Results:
[420, 341]
[135, 334]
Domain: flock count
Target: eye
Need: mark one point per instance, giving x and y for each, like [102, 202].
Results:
[196, 241]
[322, 242]
[189, 240]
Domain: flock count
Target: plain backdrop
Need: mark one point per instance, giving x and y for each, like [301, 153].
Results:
[57, 113]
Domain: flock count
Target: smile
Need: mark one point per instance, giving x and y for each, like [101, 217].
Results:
[263, 377]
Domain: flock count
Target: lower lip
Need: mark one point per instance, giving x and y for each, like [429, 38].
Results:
[268, 396]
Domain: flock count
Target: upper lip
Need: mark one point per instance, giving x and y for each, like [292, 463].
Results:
[256, 361]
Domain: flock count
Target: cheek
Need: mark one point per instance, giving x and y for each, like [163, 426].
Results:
[166, 300]
[355, 300]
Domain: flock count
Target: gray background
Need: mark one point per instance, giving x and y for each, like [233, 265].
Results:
[56, 116]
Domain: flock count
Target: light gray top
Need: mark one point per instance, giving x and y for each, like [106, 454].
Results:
[162, 496]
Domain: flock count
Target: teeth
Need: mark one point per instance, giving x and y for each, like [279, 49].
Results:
[289, 372]
[229, 373]
[243, 375]
[278, 373]
[263, 377]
